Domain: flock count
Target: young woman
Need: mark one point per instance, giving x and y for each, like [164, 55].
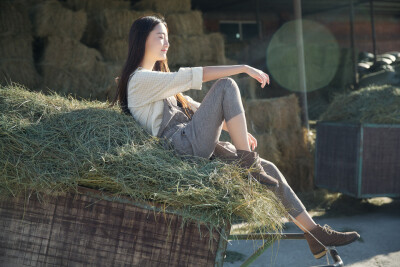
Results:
[152, 94]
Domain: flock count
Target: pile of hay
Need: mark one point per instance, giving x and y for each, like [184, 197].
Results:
[52, 144]
[16, 54]
[276, 124]
[371, 104]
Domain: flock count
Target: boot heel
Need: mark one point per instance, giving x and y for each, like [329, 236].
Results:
[320, 254]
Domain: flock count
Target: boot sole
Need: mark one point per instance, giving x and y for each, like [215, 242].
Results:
[323, 253]
[320, 254]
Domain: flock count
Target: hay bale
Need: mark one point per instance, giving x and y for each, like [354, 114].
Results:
[279, 113]
[164, 6]
[20, 71]
[267, 146]
[70, 67]
[188, 23]
[16, 55]
[14, 19]
[16, 46]
[51, 18]
[54, 144]
[371, 104]
[199, 49]
[96, 5]
[110, 23]
[114, 49]
[277, 123]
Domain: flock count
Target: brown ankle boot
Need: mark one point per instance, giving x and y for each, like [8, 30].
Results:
[251, 159]
[329, 238]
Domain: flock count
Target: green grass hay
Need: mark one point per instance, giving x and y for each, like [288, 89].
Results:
[51, 144]
[372, 104]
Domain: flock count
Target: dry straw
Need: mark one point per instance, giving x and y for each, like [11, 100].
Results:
[371, 104]
[52, 144]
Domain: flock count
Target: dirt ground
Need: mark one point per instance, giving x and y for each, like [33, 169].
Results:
[376, 220]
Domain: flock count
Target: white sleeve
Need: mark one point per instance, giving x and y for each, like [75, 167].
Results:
[194, 105]
[150, 86]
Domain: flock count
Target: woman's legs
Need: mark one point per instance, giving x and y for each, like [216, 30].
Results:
[305, 222]
[223, 101]
[237, 128]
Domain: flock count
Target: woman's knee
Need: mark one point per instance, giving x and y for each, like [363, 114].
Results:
[226, 83]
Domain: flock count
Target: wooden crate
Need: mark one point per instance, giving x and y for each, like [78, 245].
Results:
[81, 229]
[361, 160]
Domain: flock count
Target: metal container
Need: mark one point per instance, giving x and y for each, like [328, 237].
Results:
[360, 160]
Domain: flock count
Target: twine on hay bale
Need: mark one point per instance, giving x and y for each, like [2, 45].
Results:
[16, 56]
[188, 23]
[287, 145]
[52, 144]
[70, 67]
[164, 7]
[51, 18]
[371, 104]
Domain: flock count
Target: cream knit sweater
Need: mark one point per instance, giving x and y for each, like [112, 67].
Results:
[147, 89]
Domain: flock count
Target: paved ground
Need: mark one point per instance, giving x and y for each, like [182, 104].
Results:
[380, 244]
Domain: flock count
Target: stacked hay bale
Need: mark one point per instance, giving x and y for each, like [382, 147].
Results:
[67, 65]
[107, 30]
[276, 125]
[16, 54]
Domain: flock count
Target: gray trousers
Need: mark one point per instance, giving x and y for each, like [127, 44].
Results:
[200, 135]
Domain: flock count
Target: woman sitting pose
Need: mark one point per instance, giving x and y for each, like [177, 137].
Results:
[153, 96]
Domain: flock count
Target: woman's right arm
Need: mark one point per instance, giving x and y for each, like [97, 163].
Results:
[215, 72]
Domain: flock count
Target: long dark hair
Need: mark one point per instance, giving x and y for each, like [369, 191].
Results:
[138, 34]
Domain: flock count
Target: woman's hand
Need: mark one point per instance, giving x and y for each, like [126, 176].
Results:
[252, 141]
[257, 74]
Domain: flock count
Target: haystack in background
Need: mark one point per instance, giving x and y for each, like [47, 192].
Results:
[16, 54]
[51, 18]
[372, 104]
[71, 67]
[164, 6]
[276, 124]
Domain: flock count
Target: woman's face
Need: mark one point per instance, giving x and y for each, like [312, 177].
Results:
[157, 43]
